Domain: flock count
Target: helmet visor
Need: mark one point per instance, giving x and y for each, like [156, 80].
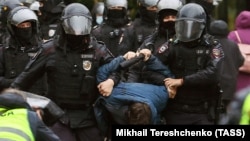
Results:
[188, 30]
[77, 25]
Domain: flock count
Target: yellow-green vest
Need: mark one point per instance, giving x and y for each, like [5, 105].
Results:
[14, 125]
[245, 112]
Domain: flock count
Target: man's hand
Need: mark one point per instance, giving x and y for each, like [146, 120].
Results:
[171, 91]
[39, 112]
[105, 88]
[170, 82]
[145, 52]
[172, 85]
[129, 55]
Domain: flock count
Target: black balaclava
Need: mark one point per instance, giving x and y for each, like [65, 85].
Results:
[24, 35]
[117, 18]
[77, 41]
[167, 28]
[147, 15]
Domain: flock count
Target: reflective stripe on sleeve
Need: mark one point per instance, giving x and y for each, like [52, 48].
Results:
[15, 131]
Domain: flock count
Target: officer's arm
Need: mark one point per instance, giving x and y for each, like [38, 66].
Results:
[31, 74]
[208, 75]
[4, 82]
[154, 64]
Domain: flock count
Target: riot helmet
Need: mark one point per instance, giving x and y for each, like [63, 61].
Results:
[166, 11]
[190, 22]
[35, 6]
[76, 19]
[97, 12]
[116, 3]
[116, 12]
[19, 15]
[76, 22]
[169, 4]
[7, 6]
[147, 10]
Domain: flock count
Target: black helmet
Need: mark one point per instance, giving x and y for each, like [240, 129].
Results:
[6, 7]
[190, 22]
[76, 19]
[19, 15]
[219, 28]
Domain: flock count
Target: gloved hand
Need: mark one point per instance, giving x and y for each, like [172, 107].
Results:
[129, 55]
[105, 88]
[145, 52]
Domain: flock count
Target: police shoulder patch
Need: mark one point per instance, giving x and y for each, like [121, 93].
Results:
[163, 48]
[216, 53]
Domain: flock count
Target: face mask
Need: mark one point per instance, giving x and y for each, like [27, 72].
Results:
[116, 14]
[99, 19]
[148, 16]
[24, 34]
[77, 41]
[168, 28]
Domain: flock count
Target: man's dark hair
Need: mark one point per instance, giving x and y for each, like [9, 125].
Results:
[139, 113]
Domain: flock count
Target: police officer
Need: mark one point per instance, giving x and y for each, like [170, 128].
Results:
[230, 64]
[166, 14]
[97, 13]
[145, 24]
[70, 62]
[116, 32]
[24, 42]
[51, 11]
[27, 125]
[193, 61]
[6, 7]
